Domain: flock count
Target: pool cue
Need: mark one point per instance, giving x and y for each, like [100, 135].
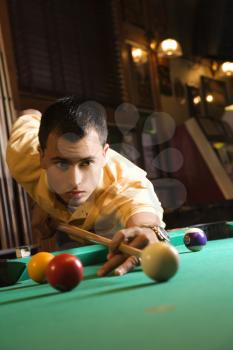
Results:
[92, 237]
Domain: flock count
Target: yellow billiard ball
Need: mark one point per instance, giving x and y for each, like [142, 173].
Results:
[160, 261]
[37, 266]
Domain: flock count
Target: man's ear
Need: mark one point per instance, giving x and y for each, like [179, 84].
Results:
[42, 157]
[105, 150]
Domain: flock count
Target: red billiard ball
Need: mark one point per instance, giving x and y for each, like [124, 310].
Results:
[64, 272]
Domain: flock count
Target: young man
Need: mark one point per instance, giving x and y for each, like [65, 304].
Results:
[63, 161]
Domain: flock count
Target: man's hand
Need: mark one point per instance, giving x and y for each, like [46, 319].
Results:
[138, 237]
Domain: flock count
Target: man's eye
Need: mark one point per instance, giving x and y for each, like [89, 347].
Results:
[86, 163]
[62, 165]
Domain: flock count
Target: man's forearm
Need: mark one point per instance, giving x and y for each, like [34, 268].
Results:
[143, 218]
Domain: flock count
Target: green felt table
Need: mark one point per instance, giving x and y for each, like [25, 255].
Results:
[193, 310]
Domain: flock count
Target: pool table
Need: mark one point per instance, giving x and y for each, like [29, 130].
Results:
[193, 310]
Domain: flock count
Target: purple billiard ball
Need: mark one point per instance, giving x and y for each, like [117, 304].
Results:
[195, 239]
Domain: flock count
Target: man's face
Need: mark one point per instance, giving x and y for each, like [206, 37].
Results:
[73, 168]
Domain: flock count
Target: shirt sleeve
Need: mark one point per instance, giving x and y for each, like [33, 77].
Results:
[138, 197]
[22, 153]
[133, 192]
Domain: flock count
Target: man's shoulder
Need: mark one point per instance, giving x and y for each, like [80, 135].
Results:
[119, 166]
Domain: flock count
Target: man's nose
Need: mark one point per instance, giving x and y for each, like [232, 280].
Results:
[75, 176]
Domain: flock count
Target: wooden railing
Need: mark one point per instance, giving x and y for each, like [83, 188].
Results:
[15, 227]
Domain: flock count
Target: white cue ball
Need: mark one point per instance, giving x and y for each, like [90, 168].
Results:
[160, 261]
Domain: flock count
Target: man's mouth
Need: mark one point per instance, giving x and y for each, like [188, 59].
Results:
[75, 194]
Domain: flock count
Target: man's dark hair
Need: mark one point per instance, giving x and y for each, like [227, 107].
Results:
[67, 116]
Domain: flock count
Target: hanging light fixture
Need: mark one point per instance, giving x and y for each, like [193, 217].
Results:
[139, 55]
[169, 48]
[227, 68]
